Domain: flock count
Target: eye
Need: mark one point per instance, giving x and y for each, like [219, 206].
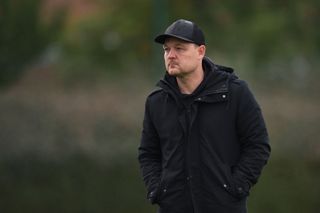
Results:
[166, 49]
[179, 48]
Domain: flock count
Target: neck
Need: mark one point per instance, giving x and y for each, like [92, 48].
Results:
[189, 83]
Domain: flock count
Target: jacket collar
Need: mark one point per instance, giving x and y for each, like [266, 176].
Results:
[216, 81]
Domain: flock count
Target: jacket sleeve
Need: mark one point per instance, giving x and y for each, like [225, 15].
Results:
[149, 156]
[254, 142]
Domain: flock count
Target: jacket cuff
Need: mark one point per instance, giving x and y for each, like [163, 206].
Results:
[152, 196]
[241, 189]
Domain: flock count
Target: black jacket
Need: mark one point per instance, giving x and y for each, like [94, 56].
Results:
[202, 153]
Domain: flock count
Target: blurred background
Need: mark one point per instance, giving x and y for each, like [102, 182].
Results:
[74, 76]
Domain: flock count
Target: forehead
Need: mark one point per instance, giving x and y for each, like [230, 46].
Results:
[176, 41]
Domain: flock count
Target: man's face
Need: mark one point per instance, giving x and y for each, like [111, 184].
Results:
[182, 58]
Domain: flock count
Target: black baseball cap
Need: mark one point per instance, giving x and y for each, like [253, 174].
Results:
[184, 30]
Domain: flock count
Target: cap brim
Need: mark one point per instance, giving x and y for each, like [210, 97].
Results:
[162, 38]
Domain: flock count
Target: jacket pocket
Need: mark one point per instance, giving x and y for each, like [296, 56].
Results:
[154, 194]
[160, 191]
[235, 187]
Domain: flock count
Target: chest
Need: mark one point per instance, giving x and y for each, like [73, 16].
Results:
[205, 117]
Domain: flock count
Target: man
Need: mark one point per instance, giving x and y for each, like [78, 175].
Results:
[204, 141]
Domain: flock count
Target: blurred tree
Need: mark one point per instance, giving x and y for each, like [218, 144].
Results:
[262, 37]
[23, 36]
[114, 40]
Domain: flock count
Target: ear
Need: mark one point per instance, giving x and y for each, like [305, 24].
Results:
[202, 50]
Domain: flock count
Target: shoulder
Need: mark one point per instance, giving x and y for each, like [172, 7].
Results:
[239, 84]
[240, 90]
[155, 91]
[155, 95]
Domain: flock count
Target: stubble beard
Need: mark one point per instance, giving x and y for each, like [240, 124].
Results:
[175, 70]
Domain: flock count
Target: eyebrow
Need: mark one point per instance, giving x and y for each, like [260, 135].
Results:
[175, 45]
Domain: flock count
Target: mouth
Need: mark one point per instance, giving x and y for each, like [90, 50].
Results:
[172, 64]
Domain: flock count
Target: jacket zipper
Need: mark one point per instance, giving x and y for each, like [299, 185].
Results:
[188, 163]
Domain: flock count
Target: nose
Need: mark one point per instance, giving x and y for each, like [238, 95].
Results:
[171, 54]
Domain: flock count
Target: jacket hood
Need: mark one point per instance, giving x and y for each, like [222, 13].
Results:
[215, 77]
